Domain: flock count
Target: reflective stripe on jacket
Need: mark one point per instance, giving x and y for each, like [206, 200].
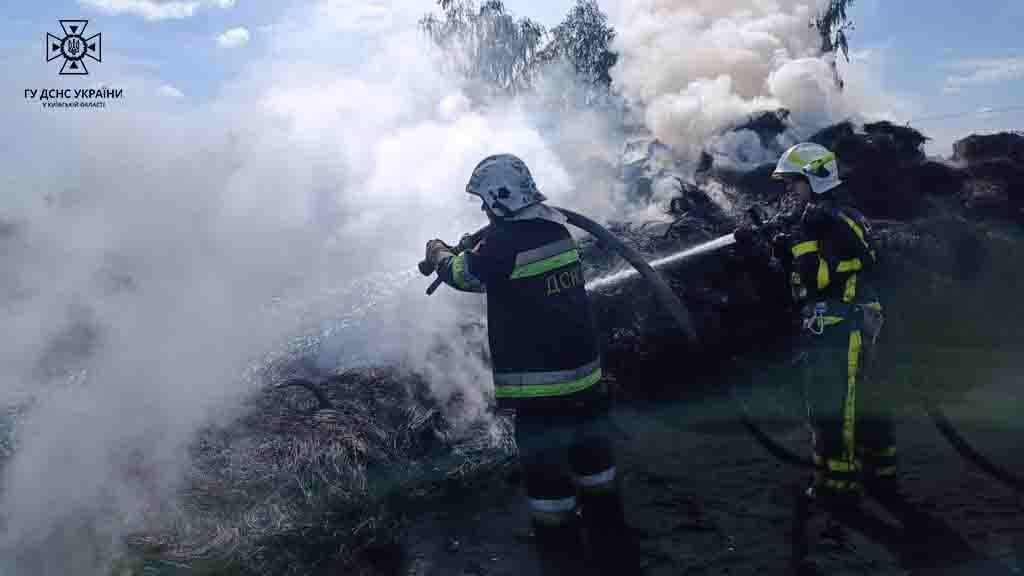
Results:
[833, 257]
[540, 322]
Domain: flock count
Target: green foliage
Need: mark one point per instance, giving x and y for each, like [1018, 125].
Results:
[583, 39]
[487, 43]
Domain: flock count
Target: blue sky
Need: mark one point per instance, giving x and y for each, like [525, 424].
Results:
[946, 57]
[179, 52]
[951, 56]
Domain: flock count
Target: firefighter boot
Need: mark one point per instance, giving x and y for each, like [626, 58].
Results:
[559, 547]
[613, 547]
[802, 500]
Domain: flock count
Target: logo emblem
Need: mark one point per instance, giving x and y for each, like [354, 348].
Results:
[74, 47]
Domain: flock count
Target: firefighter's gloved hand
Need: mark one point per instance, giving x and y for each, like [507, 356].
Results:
[747, 236]
[466, 243]
[781, 244]
[436, 251]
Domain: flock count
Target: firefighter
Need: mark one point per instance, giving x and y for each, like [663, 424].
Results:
[546, 366]
[829, 259]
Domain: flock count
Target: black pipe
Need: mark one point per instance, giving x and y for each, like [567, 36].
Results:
[966, 451]
[661, 289]
[774, 448]
[780, 452]
[935, 414]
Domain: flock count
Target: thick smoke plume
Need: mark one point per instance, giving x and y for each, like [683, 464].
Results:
[171, 248]
[699, 67]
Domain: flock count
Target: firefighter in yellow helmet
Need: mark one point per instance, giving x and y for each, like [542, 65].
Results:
[830, 259]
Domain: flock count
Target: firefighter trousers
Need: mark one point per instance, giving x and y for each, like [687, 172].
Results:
[570, 475]
[849, 415]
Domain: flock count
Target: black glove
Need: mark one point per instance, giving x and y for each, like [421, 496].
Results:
[436, 251]
[815, 216]
[467, 242]
[781, 244]
[746, 235]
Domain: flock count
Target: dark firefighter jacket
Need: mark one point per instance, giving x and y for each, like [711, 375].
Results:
[540, 323]
[831, 258]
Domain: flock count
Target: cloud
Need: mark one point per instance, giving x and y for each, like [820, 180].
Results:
[233, 38]
[154, 10]
[978, 71]
[171, 91]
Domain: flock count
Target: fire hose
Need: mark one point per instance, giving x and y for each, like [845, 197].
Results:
[681, 315]
[662, 291]
[968, 452]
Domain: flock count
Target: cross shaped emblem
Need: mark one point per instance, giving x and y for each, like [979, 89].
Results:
[74, 47]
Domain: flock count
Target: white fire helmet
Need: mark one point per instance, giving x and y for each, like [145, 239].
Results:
[505, 184]
[812, 161]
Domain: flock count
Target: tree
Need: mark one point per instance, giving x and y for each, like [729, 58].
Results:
[487, 43]
[582, 39]
[833, 24]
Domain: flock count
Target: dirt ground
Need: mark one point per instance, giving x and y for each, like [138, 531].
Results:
[703, 498]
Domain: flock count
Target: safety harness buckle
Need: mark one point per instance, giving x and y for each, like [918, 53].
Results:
[815, 323]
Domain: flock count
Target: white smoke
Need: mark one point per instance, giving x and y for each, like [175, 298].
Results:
[152, 252]
[700, 67]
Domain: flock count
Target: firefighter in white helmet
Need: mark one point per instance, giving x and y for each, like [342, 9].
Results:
[546, 365]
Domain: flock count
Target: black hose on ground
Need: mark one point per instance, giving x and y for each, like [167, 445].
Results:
[777, 450]
[967, 452]
[935, 414]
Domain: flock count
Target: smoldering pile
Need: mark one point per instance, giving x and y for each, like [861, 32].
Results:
[310, 474]
[945, 228]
